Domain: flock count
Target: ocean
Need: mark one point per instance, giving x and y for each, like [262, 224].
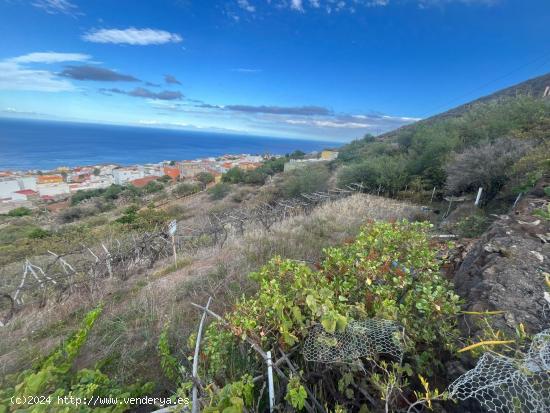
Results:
[33, 144]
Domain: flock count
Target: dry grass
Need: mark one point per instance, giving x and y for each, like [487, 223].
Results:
[136, 310]
[303, 237]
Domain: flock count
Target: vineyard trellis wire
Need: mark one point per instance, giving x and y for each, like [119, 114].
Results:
[56, 275]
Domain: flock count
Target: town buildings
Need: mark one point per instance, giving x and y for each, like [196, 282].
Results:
[18, 188]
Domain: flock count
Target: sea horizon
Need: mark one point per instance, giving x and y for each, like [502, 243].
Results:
[35, 144]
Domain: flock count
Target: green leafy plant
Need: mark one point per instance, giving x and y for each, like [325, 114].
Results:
[19, 212]
[54, 378]
[296, 394]
[168, 363]
[390, 271]
[543, 212]
[472, 226]
[233, 397]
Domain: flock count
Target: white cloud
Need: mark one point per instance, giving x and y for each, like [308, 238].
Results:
[16, 77]
[296, 5]
[132, 36]
[56, 6]
[50, 57]
[245, 5]
[352, 6]
[15, 73]
[328, 123]
[246, 70]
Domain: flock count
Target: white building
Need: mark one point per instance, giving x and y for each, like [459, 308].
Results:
[27, 182]
[8, 186]
[58, 188]
[124, 175]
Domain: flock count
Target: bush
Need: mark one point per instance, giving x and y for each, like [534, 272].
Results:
[389, 272]
[185, 188]
[19, 212]
[146, 220]
[385, 172]
[71, 214]
[308, 179]
[235, 175]
[472, 226]
[153, 187]
[487, 165]
[219, 191]
[39, 233]
[531, 167]
[109, 194]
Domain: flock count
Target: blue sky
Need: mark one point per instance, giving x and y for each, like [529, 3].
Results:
[320, 69]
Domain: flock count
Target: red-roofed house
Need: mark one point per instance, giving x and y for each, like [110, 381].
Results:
[28, 193]
[141, 182]
[172, 171]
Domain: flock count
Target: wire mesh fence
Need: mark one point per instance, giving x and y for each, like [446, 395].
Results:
[504, 384]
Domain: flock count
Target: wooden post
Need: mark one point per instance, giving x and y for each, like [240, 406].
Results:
[433, 193]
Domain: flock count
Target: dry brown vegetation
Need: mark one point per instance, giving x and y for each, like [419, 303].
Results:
[136, 309]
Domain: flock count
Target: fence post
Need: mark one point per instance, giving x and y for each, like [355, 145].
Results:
[478, 198]
[517, 200]
[195, 405]
[270, 381]
[433, 193]
[449, 208]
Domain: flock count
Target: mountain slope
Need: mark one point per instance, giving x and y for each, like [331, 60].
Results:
[533, 87]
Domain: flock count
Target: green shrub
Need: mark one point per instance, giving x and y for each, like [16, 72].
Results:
[219, 191]
[39, 233]
[19, 212]
[153, 187]
[185, 188]
[145, 220]
[389, 272]
[308, 179]
[543, 212]
[472, 226]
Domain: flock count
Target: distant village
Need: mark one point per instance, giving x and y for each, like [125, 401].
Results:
[18, 188]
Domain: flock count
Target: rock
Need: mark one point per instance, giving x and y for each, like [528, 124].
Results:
[538, 255]
[504, 271]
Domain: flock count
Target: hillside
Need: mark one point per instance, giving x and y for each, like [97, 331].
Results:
[533, 87]
[341, 269]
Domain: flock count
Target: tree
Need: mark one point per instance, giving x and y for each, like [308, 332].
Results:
[205, 178]
[235, 175]
[297, 154]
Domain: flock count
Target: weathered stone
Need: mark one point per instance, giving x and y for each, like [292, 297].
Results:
[504, 271]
